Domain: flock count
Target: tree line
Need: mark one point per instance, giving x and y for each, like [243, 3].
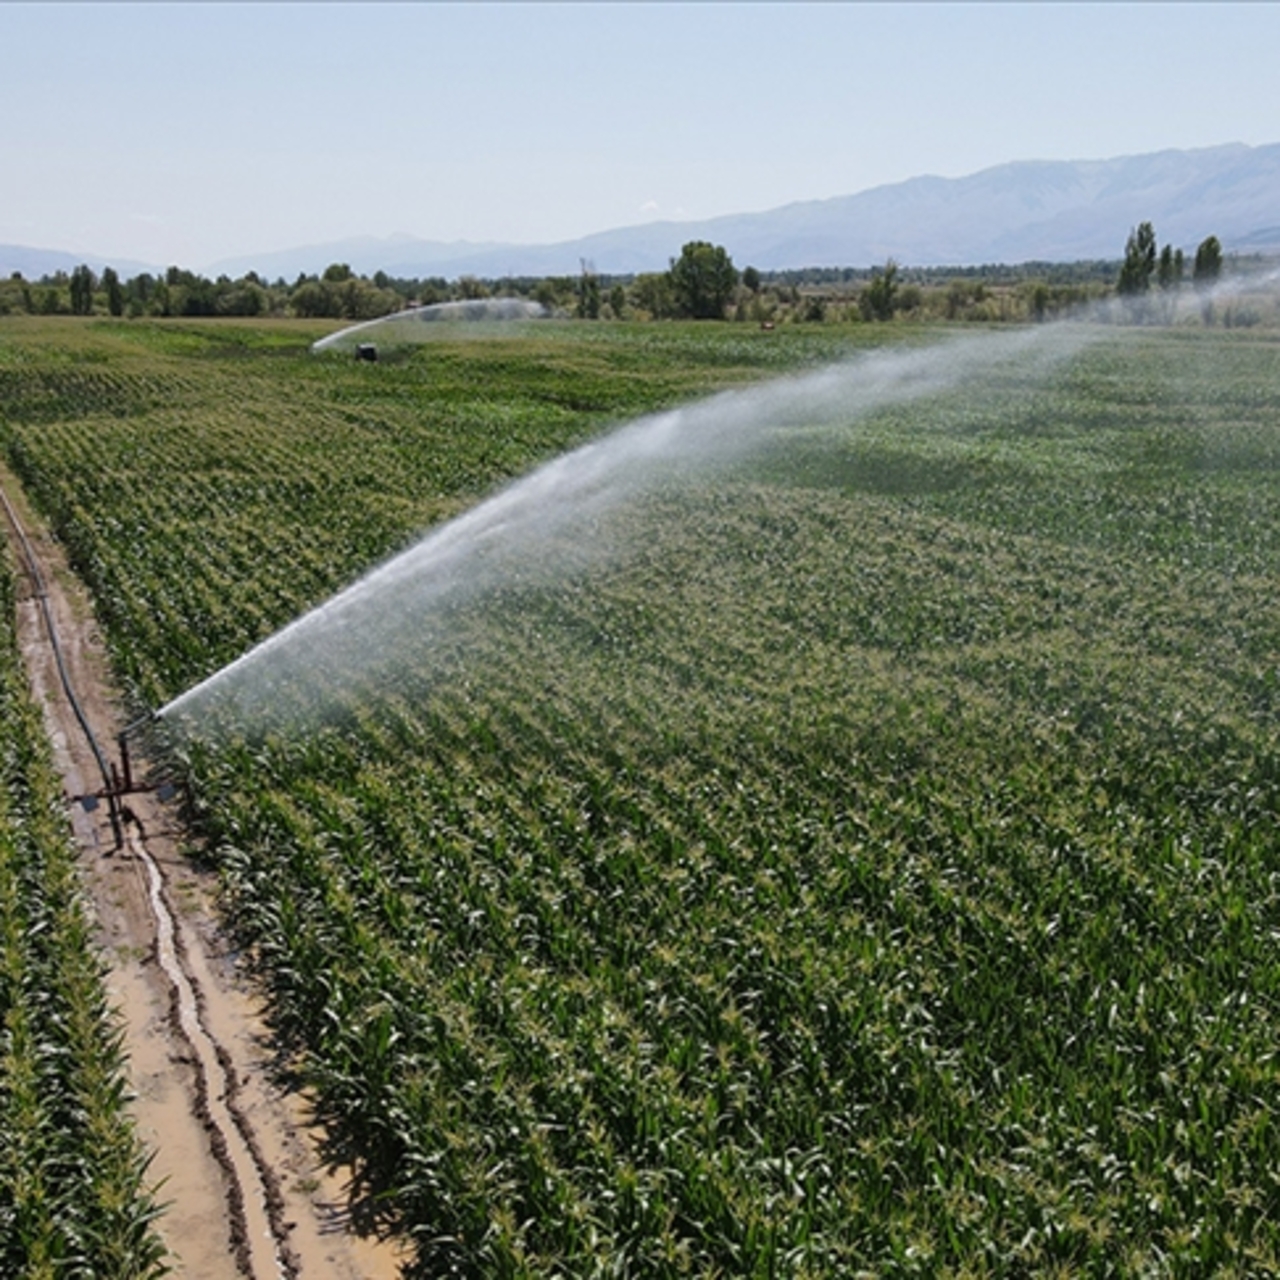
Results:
[702, 284]
[1144, 267]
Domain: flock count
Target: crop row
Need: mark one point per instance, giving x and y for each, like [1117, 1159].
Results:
[73, 1194]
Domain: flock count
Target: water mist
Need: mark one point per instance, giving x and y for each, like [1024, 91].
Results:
[554, 522]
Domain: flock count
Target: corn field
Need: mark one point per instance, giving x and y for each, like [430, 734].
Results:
[873, 871]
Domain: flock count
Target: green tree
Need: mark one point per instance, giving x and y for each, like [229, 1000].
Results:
[588, 292]
[432, 290]
[139, 293]
[245, 298]
[1139, 261]
[13, 294]
[652, 293]
[309, 300]
[751, 280]
[115, 294]
[703, 279]
[358, 299]
[28, 300]
[876, 301]
[82, 285]
[1205, 273]
[191, 294]
[547, 293]
[1208, 264]
[1169, 277]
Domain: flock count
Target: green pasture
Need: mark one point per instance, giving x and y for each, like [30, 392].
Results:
[871, 870]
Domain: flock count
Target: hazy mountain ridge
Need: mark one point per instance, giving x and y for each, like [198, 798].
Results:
[1027, 210]
[33, 263]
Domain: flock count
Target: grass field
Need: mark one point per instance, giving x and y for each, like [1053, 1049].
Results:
[874, 870]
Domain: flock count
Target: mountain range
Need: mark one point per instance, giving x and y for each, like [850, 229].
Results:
[1051, 211]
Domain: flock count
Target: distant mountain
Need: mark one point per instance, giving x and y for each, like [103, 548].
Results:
[34, 263]
[1052, 211]
[363, 254]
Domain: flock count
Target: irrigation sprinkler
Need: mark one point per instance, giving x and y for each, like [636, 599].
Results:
[116, 783]
[119, 782]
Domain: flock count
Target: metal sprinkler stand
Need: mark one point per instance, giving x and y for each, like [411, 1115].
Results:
[118, 782]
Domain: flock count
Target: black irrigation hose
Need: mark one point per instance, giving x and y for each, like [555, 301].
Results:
[42, 595]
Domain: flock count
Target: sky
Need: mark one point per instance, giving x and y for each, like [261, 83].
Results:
[190, 133]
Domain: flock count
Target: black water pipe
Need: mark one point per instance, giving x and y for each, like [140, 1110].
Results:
[42, 596]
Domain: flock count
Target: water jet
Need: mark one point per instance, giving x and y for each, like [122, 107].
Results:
[554, 522]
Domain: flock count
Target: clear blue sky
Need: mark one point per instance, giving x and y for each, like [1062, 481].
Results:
[188, 133]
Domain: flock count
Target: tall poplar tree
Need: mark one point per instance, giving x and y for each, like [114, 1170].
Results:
[1139, 261]
[1205, 273]
[82, 283]
[115, 294]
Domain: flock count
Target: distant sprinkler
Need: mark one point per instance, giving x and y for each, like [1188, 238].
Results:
[417, 323]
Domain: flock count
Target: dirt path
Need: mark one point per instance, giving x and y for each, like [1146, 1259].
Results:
[247, 1199]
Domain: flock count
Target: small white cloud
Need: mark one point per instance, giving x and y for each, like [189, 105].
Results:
[649, 208]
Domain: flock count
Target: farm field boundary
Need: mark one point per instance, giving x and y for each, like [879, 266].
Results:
[227, 1151]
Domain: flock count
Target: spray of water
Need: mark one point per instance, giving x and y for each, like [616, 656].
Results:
[555, 521]
[418, 324]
